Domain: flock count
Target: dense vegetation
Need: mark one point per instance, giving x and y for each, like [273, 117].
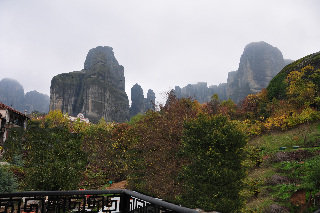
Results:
[213, 156]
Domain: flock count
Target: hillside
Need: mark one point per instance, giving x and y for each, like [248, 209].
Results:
[286, 171]
[278, 85]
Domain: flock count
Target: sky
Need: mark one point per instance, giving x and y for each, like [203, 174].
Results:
[160, 43]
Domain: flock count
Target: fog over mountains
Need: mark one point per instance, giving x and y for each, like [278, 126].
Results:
[98, 90]
[12, 94]
[259, 63]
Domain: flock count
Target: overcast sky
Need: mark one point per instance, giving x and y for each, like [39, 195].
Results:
[160, 43]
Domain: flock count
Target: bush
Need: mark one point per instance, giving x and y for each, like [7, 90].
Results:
[53, 158]
[7, 180]
[13, 146]
[154, 144]
[213, 178]
[106, 154]
[312, 177]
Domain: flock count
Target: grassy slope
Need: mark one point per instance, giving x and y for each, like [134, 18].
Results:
[281, 172]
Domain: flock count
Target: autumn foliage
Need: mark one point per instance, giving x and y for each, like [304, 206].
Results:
[186, 152]
[155, 141]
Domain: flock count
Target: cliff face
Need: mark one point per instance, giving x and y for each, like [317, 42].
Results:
[139, 104]
[259, 63]
[36, 101]
[97, 91]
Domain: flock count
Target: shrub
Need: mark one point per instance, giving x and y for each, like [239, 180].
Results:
[249, 127]
[312, 177]
[7, 180]
[53, 158]
[106, 153]
[13, 146]
[154, 143]
[255, 106]
[213, 178]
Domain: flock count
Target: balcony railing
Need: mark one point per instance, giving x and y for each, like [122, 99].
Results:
[121, 201]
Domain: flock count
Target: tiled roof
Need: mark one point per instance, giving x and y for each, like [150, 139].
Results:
[3, 106]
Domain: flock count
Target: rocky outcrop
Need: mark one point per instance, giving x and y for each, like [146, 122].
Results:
[137, 100]
[36, 101]
[200, 91]
[12, 94]
[259, 63]
[97, 91]
[220, 90]
[150, 101]
[139, 104]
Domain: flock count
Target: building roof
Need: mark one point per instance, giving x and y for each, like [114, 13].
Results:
[3, 106]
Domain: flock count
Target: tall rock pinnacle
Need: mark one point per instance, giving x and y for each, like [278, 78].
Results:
[259, 63]
[97, 91]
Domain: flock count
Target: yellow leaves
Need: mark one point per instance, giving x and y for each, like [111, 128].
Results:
[307, 68]
[294, 76]
[291, 119]
[249, 127]
[56, 118]
[301, 89]
[277, 122]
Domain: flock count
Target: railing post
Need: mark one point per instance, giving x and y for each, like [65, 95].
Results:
[124, 203]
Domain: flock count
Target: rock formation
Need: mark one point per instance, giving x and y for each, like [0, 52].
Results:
[150, 101]
[220, 90]
[201, 92]
[36, 101]
[97, 91]
[139, 104]
[259, 63]
[137, 100]
[12, 94]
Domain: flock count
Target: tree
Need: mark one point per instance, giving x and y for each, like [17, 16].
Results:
[7, 181]
[106, 155]
[13, 146]
[301, 90]
[53, 158]
[255, 105]
[213, 178]
[154, 144]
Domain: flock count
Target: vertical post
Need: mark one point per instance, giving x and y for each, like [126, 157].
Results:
[124, 206]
